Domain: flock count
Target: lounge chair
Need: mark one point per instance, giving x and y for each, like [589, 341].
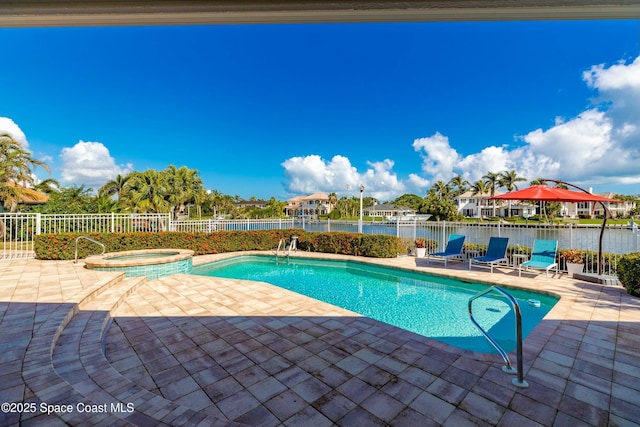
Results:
[496, 253]
[453, 250]
[543, 257]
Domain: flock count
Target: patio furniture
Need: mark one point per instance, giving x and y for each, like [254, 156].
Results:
[543, 257]
[453, 250]
[496, 253]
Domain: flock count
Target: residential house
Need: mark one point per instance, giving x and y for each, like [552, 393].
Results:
[479, 206]
[618, 210]
[309, 207]
[387, 210]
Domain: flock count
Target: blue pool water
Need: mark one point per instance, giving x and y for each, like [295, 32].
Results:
[432, 306]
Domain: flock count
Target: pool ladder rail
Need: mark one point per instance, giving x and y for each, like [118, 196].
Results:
[508, 368]
[104, 248]
[282, 244]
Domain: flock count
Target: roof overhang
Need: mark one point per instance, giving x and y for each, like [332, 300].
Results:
[59, 13]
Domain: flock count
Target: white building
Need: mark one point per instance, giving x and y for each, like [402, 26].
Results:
[308, 206]
[387, 210]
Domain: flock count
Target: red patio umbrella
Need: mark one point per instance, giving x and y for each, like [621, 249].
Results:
[552, 194]
[555, 194]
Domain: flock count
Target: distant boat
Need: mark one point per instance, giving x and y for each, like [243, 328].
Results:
[408, 218]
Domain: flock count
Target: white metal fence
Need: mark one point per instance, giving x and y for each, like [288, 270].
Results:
[18, 230]
[617, 239]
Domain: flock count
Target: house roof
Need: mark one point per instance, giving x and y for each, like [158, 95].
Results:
[30, 196]
[316, 196]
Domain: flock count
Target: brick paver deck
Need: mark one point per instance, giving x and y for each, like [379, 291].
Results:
[191, 350]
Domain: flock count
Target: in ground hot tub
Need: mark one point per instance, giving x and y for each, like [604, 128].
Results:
[153, 263]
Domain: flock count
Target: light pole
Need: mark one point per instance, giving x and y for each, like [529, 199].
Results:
[360, 220]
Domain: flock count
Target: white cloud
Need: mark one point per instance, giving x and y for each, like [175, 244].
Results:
[310, 174]
[619, 76]
[91, 164]
[439, 159]
[8, 126]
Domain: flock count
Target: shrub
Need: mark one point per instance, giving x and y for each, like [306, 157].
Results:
[62, 246]
[629, 272]
[369, 245]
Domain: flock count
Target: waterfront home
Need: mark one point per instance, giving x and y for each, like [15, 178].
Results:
[478, 205]
[308, 207]
[387, 210]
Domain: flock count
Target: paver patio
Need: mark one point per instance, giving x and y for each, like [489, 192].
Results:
[191, 350]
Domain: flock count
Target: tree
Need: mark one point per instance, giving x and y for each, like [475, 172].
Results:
[508, 179]
[48, 186]
[16, 171]
[412, 201]
[442, 208]
[116, 186]
[479, 187]
[441, 189]
[146, 192]
[459, 183]
[69, 200]
[183, 186]
[491, 180]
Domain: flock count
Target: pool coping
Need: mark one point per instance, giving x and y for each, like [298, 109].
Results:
[106, 260]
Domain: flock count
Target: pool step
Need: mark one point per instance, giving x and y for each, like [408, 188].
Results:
[86, 376]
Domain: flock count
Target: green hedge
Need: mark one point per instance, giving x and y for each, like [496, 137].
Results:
[629, 272]
[62, 246]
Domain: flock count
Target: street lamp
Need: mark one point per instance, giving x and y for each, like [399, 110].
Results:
[360, 220]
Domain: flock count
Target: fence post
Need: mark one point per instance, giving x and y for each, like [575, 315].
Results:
[398, 226]
[329, 225]
[38, 223]
[415, 225]
[443, 241]
[113, 222]
[570, 236]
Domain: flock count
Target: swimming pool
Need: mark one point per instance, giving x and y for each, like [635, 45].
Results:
[432, 306]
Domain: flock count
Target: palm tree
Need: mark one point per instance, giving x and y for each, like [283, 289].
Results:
[146, 192]
[47, 186]
[508, 179]
[491, 179]
[479, 187]
[441, 189]
[15, 171]
[184, 187]
[115, 186]
[459, 183]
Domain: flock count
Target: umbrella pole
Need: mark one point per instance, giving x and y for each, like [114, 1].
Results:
[607, 213]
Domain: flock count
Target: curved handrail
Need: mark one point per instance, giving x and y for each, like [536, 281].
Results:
[508, 368]
[104, 248]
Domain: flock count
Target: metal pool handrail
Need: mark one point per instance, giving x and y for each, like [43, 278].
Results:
[104, 248]
[508, 368]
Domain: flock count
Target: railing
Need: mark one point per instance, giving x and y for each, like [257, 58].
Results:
[102, 223]
[104, 248]
[508, 368]
[618, 239]
[18, 231]
[209, 226]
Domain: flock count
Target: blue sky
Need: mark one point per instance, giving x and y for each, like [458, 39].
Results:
[280, 110]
